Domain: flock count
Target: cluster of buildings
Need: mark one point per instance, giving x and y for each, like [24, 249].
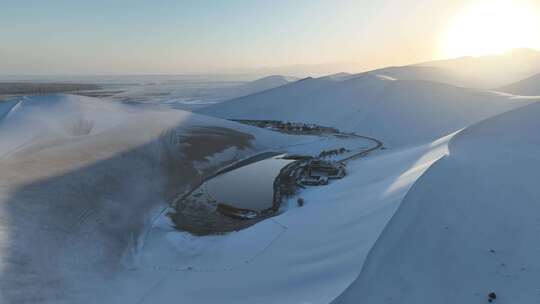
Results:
[306, 171]
[290, 127]
[318, 172]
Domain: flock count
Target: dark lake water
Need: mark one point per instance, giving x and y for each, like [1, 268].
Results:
[249, 187]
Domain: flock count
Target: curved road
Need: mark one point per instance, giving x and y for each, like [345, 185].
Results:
[378, 145]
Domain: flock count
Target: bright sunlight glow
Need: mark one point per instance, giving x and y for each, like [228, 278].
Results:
[491, 27]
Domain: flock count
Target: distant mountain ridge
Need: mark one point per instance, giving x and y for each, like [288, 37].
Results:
[529, 86]
[263, 84]
[492, 71]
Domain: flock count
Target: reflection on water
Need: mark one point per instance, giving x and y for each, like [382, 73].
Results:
[247, 184]
[249, 187]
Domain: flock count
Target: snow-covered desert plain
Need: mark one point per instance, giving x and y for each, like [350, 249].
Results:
[445, 211]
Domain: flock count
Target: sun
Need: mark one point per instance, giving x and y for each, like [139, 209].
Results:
[491, 27]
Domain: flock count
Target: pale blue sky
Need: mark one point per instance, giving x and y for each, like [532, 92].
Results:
[189, 36]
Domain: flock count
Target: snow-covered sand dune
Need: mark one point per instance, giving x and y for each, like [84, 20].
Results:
[427, 73]
[398, 112]
[305, 255]
[527, 87]
[81, 217]
[468, 227]
[263, 84]
[84, 185]
[80, 179]
[491, 71]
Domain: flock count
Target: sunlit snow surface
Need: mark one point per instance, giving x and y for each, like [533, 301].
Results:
[83, 213]
[469, 226]
[85, 186]
[397, 112]
[80, 180]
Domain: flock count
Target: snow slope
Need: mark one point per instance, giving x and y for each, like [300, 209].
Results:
[468, 227]
[85, 184]
[28, 120]
[484, 72]
[529, 86]
[263, 84]
[6, 107]
[492, 71]
[305, 255]
[427, 73]
[75, 198]
[398, 112]
[81, 214]
[339, 76]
